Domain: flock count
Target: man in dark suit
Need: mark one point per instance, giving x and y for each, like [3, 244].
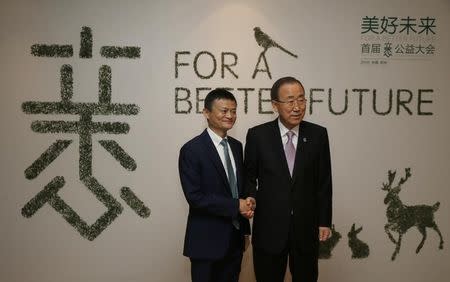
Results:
[288, 172]
[210, 167]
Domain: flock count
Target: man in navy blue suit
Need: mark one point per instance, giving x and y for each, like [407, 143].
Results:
[210, 167]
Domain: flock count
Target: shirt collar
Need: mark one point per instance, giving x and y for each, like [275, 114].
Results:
[214, 137]
[284, 130]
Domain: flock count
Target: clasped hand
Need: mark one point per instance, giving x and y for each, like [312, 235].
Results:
[247, 207]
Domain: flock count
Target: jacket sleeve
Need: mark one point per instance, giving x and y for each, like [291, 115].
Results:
[196, 195]
[245, 223]
[324, 189]
[250, 165]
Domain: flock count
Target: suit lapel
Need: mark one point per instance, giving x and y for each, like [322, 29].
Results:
[301, 151]
[279, 147]
[212, 153]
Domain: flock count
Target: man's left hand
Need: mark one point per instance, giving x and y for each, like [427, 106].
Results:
[324, 233]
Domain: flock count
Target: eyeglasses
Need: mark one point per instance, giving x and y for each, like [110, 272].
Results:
[290, 103]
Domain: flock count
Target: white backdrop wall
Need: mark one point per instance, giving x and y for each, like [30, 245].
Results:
[181, 42]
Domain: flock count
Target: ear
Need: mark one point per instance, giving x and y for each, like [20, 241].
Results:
[353, 227]
[206, 113]
[274, 107]
[359, 229]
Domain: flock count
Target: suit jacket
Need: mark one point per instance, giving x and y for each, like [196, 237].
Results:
[211, 205]
[307, 193]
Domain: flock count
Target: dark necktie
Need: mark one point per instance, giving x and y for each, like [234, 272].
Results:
[231, 176]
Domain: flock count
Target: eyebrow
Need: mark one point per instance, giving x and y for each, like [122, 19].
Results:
[292, 96]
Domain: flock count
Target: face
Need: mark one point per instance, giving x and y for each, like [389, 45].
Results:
[291, 104]
[222, 116]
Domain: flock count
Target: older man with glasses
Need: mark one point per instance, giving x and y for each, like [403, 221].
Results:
[288, 172]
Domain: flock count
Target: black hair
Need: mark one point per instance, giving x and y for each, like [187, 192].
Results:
[280, 82]
[218, 94]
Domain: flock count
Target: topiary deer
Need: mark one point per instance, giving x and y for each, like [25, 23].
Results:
[402, 217]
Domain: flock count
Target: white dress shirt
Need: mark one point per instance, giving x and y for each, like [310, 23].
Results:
[216, 139]
[284, 131]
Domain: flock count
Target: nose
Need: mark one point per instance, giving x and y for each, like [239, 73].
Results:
[296, 106]
[229, 115]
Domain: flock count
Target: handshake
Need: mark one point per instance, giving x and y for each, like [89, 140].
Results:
[247, 207]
